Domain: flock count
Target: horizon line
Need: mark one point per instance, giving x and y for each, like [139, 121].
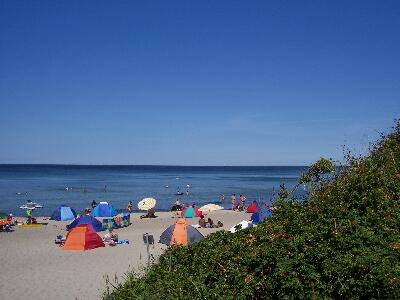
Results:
[140, 165]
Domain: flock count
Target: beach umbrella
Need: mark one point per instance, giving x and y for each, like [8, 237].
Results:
[180, 234]
[210, 207]
[242, 225]
[147, 203]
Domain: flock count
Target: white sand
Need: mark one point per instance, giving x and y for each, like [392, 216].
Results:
[34, 267]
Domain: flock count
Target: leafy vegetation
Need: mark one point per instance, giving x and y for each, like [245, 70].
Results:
[342, 242]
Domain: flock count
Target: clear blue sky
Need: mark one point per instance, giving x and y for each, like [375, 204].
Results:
[195, 82]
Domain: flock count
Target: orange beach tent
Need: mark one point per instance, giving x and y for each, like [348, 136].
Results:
[181, 233]
[82, 237]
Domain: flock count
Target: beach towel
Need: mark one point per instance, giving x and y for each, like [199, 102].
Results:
[30, 225]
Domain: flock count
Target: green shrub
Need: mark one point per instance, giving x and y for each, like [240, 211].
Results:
[342, 242]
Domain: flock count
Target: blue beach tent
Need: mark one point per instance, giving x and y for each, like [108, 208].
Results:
[188, 212]
[86, 219]
[63, 213]
[260, 215]
[104, 210]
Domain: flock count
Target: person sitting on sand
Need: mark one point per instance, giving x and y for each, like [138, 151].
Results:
[87, 211]
[202, 222]
[210, 223]
[111, 237]
[150, 213]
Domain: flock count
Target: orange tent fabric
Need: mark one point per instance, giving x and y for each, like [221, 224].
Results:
[82, 237]
[179, 236]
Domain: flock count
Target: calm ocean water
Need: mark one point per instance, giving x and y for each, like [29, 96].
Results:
[45, 184]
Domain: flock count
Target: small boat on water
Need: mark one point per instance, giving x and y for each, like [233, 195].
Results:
[31, 205]
[179, 193]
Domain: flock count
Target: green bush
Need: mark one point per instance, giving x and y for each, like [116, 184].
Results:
[342, 242]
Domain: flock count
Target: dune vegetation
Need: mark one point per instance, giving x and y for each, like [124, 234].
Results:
[341, 241]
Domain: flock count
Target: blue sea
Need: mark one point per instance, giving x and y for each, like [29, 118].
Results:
[45, 184]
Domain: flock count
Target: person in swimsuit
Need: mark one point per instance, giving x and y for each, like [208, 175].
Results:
[233, 201]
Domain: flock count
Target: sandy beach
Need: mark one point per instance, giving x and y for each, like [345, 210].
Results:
[34, 267]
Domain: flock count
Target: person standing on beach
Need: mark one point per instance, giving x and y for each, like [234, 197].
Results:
[243, 202]
[130, 207]
[94, 204]
[233, 200]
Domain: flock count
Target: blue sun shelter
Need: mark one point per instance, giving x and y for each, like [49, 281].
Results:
[188, 212]
[86, 219]
[63, 213]
[260, 215]
[104, 210]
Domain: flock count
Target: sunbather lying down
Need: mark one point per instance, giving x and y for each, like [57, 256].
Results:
[150, 214]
